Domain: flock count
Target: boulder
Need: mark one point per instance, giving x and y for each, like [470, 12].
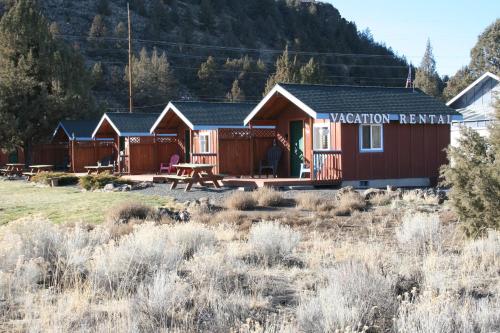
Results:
[141, 186]
[371, 192]
[109, 187]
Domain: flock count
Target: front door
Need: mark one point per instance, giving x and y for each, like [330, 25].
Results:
[296, 147]
[187, 146]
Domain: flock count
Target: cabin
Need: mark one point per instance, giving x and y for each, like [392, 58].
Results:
[477, 105]
[213, 133]
[73, 147]
[135, 149]
[358, 136]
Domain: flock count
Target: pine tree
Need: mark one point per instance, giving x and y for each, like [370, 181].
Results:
[426, 77]
[97, 74]
[97, 30]
[236, 94]
[121, 33]
[153, 79]
[485, 56]
[311, 73]
[209, 84]
[463, 78]
[41, 80]
[287, 71]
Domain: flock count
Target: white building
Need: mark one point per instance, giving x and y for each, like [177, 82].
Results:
[477, 105]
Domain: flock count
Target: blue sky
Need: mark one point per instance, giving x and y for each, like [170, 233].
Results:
[452, 26]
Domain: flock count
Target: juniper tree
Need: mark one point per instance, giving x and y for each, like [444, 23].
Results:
[236, 94]
[311, 73]
[474, 178]
[41, 79]
[427, 78]
[209, 84]
[287, 71]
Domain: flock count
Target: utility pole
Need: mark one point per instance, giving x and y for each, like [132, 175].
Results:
[131, 102]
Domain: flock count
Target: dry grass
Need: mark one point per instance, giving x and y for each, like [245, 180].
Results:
[381, 199]
[348, 203]
[311, 201]
[241, 201]
[268, 197]
[377, 270]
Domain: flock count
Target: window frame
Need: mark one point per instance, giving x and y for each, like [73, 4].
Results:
[329, 143]
[371, 149]
[207, 135]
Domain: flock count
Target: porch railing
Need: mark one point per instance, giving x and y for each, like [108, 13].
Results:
[204, 158]
[327, 165]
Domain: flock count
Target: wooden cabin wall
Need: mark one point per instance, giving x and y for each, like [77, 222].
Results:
[56, 154]
[141, 152]
[85, 153]
[205, 158]
[4, 156]
[410, 151]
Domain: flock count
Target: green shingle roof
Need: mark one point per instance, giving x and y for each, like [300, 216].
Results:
[214, 114]
[81, 129]
[133, 123]
[356, 99]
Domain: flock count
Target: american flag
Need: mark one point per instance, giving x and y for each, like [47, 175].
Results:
[409, 82]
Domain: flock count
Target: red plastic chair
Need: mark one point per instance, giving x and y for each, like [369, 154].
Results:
[169, 167]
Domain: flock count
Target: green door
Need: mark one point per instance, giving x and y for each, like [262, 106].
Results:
[187, 145]
[296, 147]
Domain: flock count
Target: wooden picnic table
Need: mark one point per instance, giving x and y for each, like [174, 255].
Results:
[191, 173]
[37, 168]
[12, 169]
[97, 169]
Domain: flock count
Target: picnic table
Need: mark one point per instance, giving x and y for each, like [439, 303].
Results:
[97, 169]
[12, 169]
[36, 169]
[191, 173]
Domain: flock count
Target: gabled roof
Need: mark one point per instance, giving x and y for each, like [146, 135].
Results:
[472, 85]
[321, 100]
[77, 129]
[129, 124]
[207, 115]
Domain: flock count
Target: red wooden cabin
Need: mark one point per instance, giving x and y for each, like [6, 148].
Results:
[360, 136]
[73, 147]
[136, 150]
[213, 133]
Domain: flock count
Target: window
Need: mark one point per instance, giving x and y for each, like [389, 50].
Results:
[204, 142]
[371, 138]
[321, 137]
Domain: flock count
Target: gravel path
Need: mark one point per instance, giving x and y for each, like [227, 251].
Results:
[218, 195]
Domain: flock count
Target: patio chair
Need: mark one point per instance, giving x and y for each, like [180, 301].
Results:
[273, 158]
[169, 167]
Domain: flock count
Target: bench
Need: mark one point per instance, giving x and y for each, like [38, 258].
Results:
[29, 174]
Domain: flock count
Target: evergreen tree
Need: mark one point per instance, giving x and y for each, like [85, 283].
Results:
[426, 77]
[485, 56]
[97, 31]
[236, 94]
[41, 80]
[311, 73]
[209, 84]
[474, 178]
[120, 32]
[97, 74]
[54, 29]
[153, 79]
[463, 78]
[287, 71]
[206, 17]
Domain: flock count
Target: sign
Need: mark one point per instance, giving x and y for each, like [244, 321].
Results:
[385, 118]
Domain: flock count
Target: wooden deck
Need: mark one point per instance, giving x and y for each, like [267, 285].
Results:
[276, 182]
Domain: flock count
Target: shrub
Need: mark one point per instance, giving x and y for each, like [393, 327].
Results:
[349, 202]
[157, 300]
[448, 314]
[125, 212]
[241, 201]
[94, 182]
[381, 199]
[312, 202]
[272, 242]
[190, 237]
[354, 297]
[268, 197]
[474, 179]
[64, 179]
[420, 232]
[120, 266]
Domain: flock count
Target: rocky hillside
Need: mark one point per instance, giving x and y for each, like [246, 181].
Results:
[243, 37]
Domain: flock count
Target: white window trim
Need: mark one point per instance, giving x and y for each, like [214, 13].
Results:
[207, 134]
[371, 150]
[323, 125]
